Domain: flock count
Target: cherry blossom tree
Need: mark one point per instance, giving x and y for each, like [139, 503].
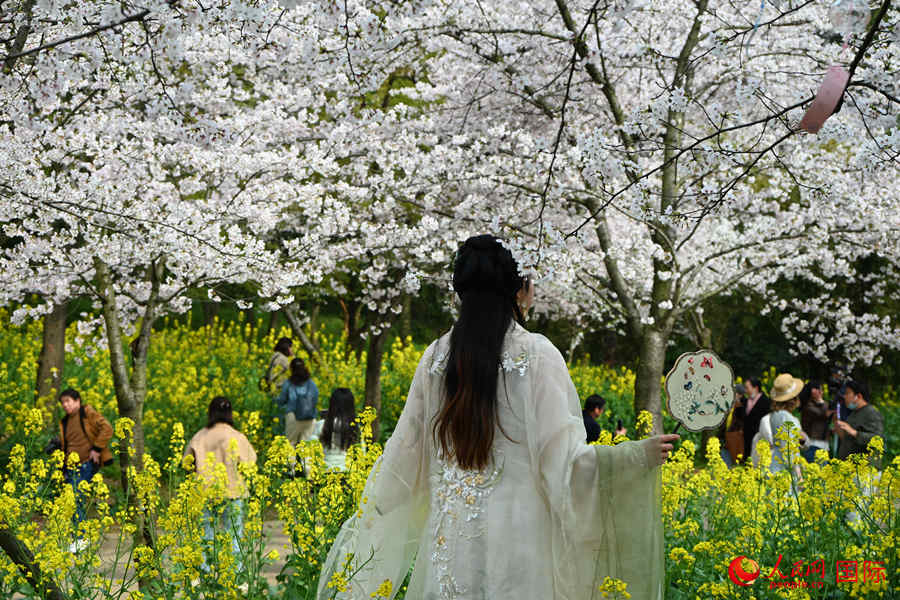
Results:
[648, 154]
[156, 157]
[212, 146]
[642, 157]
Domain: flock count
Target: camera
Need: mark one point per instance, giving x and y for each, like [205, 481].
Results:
[836, 385]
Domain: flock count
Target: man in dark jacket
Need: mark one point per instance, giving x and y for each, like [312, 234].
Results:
[593, 408]
[864, 423]
[754, 408]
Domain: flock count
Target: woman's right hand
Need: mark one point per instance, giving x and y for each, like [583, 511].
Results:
[658, 448]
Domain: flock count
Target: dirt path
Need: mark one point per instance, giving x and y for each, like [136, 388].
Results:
[275, 540]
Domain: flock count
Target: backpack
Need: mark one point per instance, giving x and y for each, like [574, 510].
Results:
[303, 400]
[264, 384]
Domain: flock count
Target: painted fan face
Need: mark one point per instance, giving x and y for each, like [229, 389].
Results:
[698, 390]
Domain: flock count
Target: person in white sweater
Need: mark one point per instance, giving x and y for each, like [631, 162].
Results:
[785, 399]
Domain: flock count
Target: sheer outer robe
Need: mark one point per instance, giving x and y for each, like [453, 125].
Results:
[550, 518]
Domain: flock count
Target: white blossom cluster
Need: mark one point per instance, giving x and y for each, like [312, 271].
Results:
[638, 157]
[678, 172]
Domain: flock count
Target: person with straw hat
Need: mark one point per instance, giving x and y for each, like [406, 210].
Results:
[785, 392]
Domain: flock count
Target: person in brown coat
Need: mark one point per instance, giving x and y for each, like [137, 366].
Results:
[815, 419]
[85, 432]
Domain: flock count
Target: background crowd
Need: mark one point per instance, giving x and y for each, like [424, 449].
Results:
[841, 425]
[840, 415]
[827, 421]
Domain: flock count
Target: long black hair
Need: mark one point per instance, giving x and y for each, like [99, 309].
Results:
[806, 393]
[486, 278]
[340, 418]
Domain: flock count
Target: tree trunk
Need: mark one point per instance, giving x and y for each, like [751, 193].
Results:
[131, 389]
[18, 43]
[31, 571]
[271, 324]
[655, 337]
[135, 456]
[649, 374]
[406, 318]
[352, 310]
[374, 358]
[53, 355]
[210, 312]
[701, 334]
[314, 319]
[574, 339]
[292, 314]
[126, 403]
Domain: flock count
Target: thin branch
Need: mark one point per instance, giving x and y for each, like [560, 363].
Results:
[689, 148]
[531, 32]
[874, 88]
[599, 294]
[347, 46]
[868, 40]
[731, 281]
[87, 98]
[129, 19]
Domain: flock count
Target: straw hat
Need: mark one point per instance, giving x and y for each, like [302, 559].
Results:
[785, 387]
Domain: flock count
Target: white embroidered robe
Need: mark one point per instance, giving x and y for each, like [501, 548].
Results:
[547, 520]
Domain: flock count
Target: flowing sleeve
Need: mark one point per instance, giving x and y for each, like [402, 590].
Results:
[604, 500]
[380, 540]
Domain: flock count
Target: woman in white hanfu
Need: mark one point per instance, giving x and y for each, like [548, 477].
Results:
[487, 484]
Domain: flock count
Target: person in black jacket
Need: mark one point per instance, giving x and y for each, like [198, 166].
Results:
[593, 408]
[754, 408]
